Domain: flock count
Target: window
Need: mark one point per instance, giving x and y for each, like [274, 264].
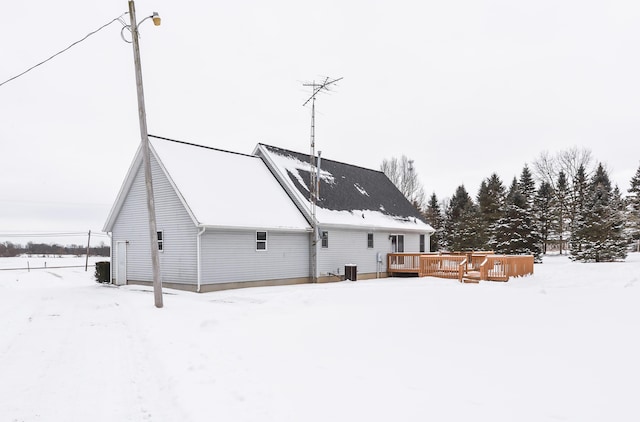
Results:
[422, 243]
[325, 239]
[160, 240]
[397, 243]
[261, 241]
[370, 240]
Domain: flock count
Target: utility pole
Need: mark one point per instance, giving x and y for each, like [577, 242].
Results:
[314, 173]
[146, 157]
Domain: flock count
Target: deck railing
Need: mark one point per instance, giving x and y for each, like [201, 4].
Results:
[475, 259]
[501, 267]
[487, 265]
[403, 262]
[443, 266]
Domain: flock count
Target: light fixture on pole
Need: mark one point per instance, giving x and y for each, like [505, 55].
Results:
[146, 152]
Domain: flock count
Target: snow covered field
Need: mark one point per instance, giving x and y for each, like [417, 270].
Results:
[562, 345]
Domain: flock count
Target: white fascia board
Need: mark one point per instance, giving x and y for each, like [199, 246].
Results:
[376, 228]
[256, 228]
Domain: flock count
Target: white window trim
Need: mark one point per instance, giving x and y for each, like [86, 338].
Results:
[265, 241]
[160, 238]
[322, 239]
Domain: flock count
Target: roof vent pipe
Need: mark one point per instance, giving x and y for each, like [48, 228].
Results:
[318, 176]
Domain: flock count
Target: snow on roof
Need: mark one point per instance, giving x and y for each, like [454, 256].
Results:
[227, 189]
[349, 195]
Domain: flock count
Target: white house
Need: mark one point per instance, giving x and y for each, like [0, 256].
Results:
[222, 219]
[228, 220]
[361, 215]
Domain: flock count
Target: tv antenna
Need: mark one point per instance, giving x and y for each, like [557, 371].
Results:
[314, 173]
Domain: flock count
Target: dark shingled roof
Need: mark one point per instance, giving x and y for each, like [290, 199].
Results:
[353, 188]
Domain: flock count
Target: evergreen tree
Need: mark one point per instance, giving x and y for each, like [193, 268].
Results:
[483, 200]
[573, 165]
[599, 236]
[577, 210]
[543, 210]
[633, 210]
[491, 204]
[560, 211]
[516, 232]
[461, 223]
[433, 215]
[527, 186]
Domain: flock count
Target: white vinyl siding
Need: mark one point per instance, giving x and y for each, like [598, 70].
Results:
[347, 247]
[178, 259]
[231, 256]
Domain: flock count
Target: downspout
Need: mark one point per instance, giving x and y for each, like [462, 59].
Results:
[110, 257]
[198, 253]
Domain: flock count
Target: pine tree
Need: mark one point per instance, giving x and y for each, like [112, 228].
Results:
[527, 186]
[633, 210]
[618, 206]
[516, 232]
[433, 215]
[599, 236]
[573, 165]
[491, 205]
[484, 202]
[560, 211]
[461, 222]
[577, 210]
[543, 210]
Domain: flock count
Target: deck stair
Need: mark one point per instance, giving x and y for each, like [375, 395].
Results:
[471, 277]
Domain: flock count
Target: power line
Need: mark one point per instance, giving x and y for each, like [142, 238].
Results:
[62, 51]
[49, 234]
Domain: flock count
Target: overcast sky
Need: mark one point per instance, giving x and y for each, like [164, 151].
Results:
[464, 87]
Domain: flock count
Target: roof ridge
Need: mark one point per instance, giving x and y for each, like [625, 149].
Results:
[201, 146]
[323, 158]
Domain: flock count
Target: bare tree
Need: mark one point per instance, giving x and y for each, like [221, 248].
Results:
[547, 167]
[402, 173]
[391, 169]
[573, 159]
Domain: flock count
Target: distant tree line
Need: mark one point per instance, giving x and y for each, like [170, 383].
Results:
[564, 205]
[9, 249]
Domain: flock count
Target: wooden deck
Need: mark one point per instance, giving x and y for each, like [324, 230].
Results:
[469, 267]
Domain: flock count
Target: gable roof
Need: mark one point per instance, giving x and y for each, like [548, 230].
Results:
[349, 195]
[219, 188]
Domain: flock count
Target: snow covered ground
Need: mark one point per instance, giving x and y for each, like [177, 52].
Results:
[562, 345]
